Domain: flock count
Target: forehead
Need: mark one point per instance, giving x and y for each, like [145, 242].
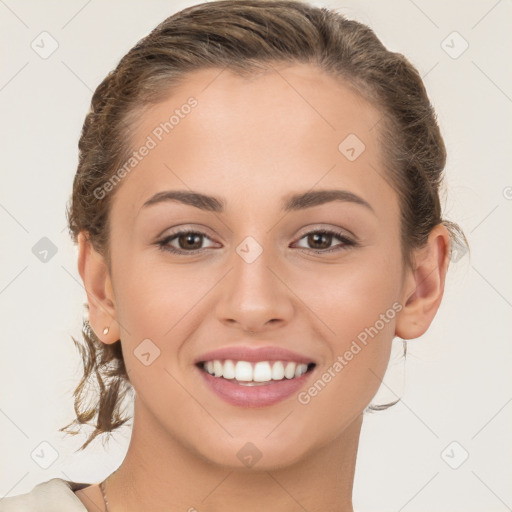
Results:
[289, 128]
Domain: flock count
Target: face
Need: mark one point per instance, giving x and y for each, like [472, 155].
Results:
[263, 276]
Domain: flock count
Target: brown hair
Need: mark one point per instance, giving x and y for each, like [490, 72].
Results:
[245, 36]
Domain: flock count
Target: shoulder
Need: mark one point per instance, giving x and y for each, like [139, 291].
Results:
[55, 495]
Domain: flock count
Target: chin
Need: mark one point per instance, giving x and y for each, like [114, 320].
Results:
[258, 452]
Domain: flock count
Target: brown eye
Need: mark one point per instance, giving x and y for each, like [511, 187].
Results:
[183, 242]
[320, 241]
[190, 241]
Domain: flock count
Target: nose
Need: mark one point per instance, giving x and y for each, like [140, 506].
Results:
[254, 297]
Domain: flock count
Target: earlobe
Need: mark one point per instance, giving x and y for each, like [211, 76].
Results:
[424, 285]
[100, 296]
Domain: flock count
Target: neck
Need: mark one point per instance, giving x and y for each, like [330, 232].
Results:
[159, 473]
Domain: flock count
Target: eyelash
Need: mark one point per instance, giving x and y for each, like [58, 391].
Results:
[347, 243]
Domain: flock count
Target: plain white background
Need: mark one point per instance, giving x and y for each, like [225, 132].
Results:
[458, 378]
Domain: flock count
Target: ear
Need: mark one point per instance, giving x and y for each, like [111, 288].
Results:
[100, 295]
[424, 285]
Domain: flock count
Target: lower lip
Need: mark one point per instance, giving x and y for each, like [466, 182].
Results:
[254, 396]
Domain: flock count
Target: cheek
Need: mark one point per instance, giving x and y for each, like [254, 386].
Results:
[349, 297]
[160, 307]
[152, 297]
[357, 306]
[343, 388]
[157, 310]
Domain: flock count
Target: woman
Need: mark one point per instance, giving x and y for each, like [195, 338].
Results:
[257, 213]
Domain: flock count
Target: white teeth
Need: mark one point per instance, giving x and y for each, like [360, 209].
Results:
[289, 371]
[243, 371]
[278, 371]
[262, 371]
[228, 371]
[217, 368]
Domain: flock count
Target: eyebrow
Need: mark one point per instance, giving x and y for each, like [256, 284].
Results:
[292, 202]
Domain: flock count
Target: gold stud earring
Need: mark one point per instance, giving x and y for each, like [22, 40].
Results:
[105, 331]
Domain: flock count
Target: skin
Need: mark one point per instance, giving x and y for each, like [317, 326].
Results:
[254, 141]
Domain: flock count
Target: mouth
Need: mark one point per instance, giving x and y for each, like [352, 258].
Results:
[255, 373]
[247, 376]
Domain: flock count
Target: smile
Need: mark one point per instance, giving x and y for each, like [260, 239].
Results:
[254, 384]
[255, 373]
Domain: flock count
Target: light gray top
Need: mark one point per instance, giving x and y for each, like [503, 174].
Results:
[55, 495]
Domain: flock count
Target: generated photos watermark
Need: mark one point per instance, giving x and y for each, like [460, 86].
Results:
[305, 397]
[157, 135]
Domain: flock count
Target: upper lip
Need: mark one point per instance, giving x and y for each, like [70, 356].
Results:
[254, 354]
